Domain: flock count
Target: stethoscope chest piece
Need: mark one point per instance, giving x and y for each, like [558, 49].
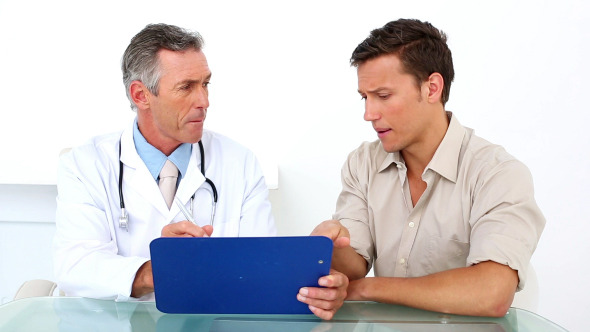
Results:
[124, 220]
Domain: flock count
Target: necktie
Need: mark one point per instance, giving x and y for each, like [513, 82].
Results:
[168, 176]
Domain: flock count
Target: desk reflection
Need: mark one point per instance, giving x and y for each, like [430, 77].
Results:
[242, 325]
[108, 316]
[95, 315]
[67, 314]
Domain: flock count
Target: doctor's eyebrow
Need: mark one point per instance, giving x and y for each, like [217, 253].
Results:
[191, 81]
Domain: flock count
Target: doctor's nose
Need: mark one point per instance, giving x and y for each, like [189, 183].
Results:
[201, 99]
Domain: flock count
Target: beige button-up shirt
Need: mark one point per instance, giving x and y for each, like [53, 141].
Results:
[479, 205]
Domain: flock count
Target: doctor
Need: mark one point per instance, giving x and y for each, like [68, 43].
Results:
[101, 251]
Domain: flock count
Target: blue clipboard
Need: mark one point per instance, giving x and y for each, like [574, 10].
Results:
[251, 275]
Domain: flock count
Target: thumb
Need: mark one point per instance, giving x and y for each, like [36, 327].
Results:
[342, 242]
[208, 229]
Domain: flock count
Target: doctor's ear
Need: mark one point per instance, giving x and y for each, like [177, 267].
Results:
[139, 94]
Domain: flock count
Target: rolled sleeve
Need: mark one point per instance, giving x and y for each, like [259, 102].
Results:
[352, 208]
[506, 222]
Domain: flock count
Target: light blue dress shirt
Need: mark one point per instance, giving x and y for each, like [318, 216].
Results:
[154, 159]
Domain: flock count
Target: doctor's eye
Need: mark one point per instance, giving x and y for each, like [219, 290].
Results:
[185, 87]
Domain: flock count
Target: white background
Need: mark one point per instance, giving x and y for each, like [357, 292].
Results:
[283, 87]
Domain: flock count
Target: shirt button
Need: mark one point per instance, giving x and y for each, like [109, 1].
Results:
[402, 261]
[398, 165]
[411, 224]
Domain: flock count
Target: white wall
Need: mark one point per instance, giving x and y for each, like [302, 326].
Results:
[282, 85]
[27, 214]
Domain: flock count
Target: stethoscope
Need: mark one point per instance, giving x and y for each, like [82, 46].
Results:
[124, 218]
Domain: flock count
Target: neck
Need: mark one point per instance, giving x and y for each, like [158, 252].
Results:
[419, 155]
[160, 142]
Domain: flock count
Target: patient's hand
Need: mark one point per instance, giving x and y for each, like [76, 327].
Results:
[324, 302]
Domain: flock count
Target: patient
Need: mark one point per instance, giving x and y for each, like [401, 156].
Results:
[447, 220]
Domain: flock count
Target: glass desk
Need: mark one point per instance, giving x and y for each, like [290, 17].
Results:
[66, 314]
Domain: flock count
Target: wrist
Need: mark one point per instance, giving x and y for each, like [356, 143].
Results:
[366, 288]
[360, 289]
[144, 281]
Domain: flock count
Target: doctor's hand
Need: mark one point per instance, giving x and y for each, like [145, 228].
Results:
[324, 302]
[144, 281]
[186, 229]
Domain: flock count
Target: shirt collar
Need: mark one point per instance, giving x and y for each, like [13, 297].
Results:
[391, 158]
[446, 157]
[154, 159]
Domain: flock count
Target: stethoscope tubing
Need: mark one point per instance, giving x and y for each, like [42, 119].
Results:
[124, 218]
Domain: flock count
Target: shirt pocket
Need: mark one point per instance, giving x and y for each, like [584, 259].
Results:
[444, 254]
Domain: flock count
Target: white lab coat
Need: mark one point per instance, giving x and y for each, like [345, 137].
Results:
[94, 257]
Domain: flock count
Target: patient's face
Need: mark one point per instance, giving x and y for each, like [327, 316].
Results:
[394, 103]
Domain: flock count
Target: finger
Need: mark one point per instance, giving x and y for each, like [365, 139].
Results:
[323, 294]
[173, 230]
[183, 229]
[167, 231]
[195, 231]
[334, 279]
[323, 314]
[321, 304]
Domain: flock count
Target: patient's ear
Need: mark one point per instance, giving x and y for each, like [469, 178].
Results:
[435, 84]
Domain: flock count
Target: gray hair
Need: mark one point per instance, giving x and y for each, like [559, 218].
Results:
[140, 60]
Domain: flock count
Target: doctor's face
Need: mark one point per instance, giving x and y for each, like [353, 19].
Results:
[176, 115]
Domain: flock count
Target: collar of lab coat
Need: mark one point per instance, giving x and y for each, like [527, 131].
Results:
[138, 177]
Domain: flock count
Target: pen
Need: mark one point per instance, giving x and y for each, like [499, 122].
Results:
[187, 215]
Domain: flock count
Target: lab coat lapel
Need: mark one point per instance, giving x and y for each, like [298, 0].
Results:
[191, 182]
[137, 176]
